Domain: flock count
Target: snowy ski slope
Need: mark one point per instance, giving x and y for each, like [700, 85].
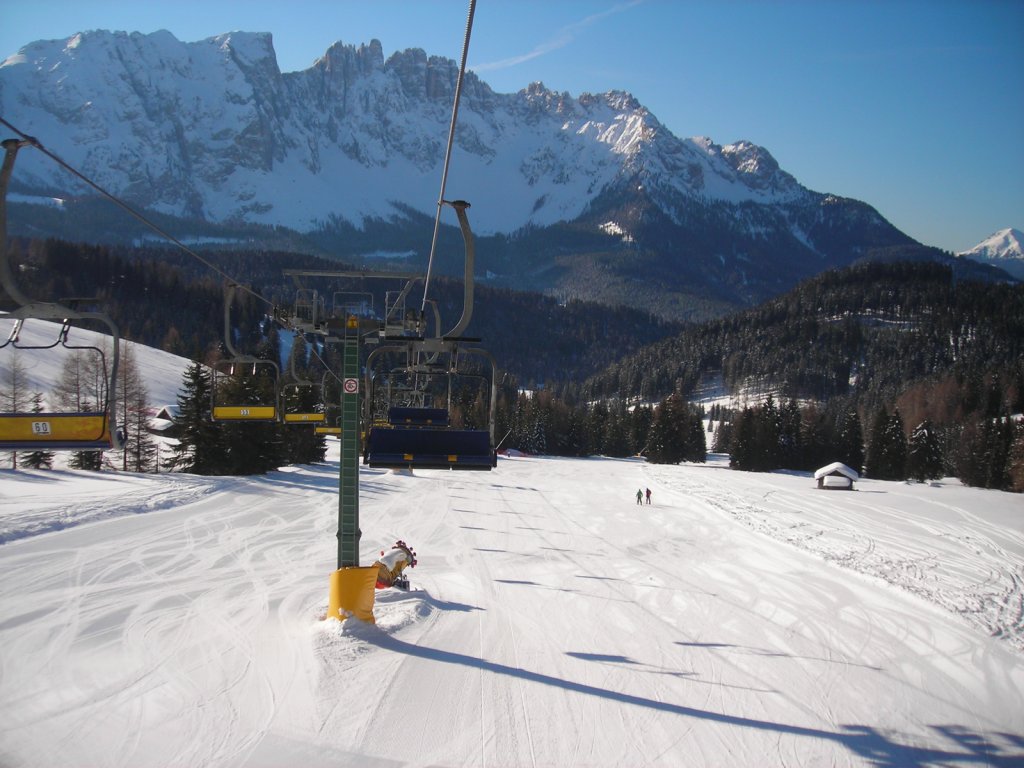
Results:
[741, 620]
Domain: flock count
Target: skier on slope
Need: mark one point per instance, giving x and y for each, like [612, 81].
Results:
[648, 495]
[639, 496]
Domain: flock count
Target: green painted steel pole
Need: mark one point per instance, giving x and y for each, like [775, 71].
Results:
[348, 479]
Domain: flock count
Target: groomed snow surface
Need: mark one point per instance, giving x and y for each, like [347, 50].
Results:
[739, 620]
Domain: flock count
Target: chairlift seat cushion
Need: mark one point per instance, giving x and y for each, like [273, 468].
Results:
[401, 447]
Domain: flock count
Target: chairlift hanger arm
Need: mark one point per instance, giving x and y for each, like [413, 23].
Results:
[229, 298]
[493, 409]
[460, 207]
[11, 147]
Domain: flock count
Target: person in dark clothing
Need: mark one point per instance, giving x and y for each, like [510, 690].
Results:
[648, 495]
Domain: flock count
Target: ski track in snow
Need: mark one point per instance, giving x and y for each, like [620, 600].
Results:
[740, 620]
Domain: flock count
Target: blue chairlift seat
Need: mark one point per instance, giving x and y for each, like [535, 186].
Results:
[391, 447]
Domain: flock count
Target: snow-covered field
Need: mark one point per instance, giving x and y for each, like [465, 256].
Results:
[740, 620]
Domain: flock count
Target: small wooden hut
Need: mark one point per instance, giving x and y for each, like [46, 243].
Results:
[836, 477]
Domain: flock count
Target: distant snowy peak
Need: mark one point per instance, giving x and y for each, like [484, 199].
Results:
[1004, 244]
[1004, 249]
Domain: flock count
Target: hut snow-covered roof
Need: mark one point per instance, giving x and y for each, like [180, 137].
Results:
[834, 467]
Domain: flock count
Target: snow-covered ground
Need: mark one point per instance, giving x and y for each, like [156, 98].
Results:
[740, 620]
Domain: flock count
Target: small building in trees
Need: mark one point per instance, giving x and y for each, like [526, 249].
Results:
[165, 421]
[836, 477]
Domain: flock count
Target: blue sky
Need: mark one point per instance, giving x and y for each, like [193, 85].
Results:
[913, 106]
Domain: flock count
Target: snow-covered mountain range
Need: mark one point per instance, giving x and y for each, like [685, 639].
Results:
[213, 129]
[348, 154]
[1004, 249]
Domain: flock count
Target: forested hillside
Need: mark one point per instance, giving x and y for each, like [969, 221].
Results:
[900, 369]
[170, 300]
[870, 332]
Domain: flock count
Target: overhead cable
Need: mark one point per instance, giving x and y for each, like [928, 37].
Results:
[128, 209]
[448, 151]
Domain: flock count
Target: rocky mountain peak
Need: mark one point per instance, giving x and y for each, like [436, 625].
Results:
[364, 58]
[756, 167]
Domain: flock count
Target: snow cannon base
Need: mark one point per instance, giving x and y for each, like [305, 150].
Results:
[352, 594]
[391, 564]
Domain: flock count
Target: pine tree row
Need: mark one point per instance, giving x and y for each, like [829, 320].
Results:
[988, 452]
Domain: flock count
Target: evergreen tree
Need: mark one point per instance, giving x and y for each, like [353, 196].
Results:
[301, 443]
[818, 438]
[887, 447]
[696, 448]
[723, 438]
[924, 453]
[985, 454]
[790, 439]
[874, 465]
[1016, 460]
[250, 447]
[850, 447]
[972, 461]
[597, 424]
[742, 454]
[199, 449]
[87, 460]
[616, 435]
[766, 437]
[642, 417]
[538, 425]
[670, 431]
[38, 459]
[896, 440]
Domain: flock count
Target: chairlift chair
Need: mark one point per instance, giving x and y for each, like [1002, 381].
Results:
[245, 388]
[90, 427]
[301, 400]
[331, 393]
[419, 434]
[422, 436]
